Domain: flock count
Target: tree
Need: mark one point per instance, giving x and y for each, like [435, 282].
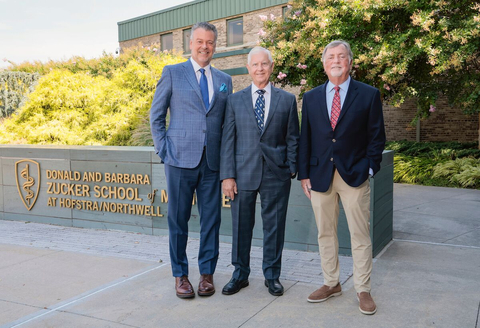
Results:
[407, 49]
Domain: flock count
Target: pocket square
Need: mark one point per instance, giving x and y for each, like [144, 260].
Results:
[223, 88]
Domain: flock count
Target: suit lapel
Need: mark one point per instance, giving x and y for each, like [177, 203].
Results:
[322, 101]
[216, 85]
[192, 79]
[274, 100]
[248, 105]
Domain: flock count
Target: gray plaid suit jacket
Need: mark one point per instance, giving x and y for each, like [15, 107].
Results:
[245, 149]
[191, 126]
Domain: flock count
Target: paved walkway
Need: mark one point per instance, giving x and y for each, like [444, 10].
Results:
[428, 276]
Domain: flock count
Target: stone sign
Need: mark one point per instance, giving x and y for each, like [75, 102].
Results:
[124, 188]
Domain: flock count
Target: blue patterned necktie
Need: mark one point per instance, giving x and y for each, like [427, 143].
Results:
[204, 88]
[260, 109]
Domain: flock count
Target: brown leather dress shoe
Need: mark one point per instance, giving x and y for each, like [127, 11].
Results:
[206, 287]
[183, 287]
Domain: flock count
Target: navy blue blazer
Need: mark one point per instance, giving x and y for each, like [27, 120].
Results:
[356, 144]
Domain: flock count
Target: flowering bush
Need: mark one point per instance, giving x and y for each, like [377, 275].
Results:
[406, 49]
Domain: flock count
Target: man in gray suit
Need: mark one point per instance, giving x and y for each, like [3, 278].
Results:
[258, 156]
[196, 95]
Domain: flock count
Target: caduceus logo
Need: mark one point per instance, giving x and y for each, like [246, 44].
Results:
[27, 177]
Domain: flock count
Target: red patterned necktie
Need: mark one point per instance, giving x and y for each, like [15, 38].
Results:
[336, 107]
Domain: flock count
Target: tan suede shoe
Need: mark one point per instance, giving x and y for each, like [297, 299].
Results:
[367, 305]
[324, 293]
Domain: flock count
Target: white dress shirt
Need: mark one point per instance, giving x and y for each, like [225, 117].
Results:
[267, 95]
[208, 74]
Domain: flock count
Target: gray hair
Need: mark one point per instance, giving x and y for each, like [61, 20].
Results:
[335, 44]
[207, 27]
[257, 50]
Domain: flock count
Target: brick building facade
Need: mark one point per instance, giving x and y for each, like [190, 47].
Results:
[446, 124]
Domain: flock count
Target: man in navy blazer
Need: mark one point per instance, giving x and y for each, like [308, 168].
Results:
[258, 156]
[341, 145]
[196, 95]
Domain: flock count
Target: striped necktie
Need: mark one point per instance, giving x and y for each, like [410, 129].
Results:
[336, 108]
[260, 109]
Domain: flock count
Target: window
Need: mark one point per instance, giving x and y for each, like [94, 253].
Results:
[186, 40]
[284, 11]
[166, 41]
[235, 31]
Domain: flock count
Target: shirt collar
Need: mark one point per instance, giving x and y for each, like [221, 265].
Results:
[268, 88]
[343, 86]
[196, 66]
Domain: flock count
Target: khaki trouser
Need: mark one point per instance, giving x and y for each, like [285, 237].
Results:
[356, 203]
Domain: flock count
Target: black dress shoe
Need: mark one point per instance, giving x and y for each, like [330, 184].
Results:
[274, 287]
[234, 286]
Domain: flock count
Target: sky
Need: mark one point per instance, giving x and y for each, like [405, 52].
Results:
[40, 30]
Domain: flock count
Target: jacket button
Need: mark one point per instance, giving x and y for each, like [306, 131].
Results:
[331, 159]
[334, 140]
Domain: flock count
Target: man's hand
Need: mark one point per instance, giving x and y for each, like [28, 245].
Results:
[307, 187]
[229, 188]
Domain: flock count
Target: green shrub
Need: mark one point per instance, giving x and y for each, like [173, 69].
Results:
[446, 164]
[90, 102]
[104, 66]
[462, 171]
[407, 169]
[14, 88]
[438, 150]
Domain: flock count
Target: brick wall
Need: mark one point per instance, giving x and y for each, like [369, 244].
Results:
[397, 121]
[145, 41]
[445, 124]
[230, 61]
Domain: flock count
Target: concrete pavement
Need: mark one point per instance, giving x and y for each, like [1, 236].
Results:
[428, 276]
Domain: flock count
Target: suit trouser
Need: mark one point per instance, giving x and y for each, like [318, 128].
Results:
[181, 184]
[356, 203]
[274, 194]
